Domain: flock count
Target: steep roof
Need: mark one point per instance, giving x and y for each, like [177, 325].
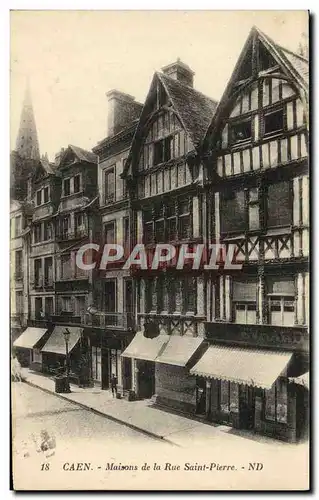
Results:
[294, 62]
[50, 168]
[83, 155]
[295, 66]
[194, 108]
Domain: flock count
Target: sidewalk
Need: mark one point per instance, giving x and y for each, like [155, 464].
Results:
[144, 417]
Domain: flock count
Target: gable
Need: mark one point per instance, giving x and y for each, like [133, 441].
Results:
[262, 76]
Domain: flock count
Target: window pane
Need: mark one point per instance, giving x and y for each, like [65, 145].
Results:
[233, 211]
[159, 231]
[276, 318]
[240, 131]
[282, 401]
[39, 197]
[46, 195]
[270, 404]
[279, 212]
[289, 317]
[184, 227]
[253, 214]
[66, 187]
[76, 183]
[251, 315]
[274, 122]
[224, 396]
[240, 315]
[233, 397]
[172, 229]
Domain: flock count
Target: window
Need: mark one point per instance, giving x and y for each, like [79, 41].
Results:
[45, 195]
[38, 272]
[109, 233]
[18, 264]
[39, 197]
[184, 219]
[169, 221]
[18, 225]
[126, 235]
[163, 150]
[19, 302]
[253, 209]
[109, 185]
[48, 306]
[48, 271]
[240, 210]
[66, 187]
[244, 302]
[37, 233]
[233, 211]
[190, 294]
[229, 397]
[66, 304]
[109, 296]
[276, 401]
[279, 207]
[240, 132]
[47, 231]
[281, 301]
[80, 305]
[79, 223]
[274, 122]
[38, 308]
[66, 266]
[66, 226]
[77, 183]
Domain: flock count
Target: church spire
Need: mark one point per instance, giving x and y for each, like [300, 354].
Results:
[27, 145]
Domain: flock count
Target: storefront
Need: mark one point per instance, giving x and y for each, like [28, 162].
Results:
[142, 352]
[175, 388]
[28, 346]
[54, 352]
[249, 389]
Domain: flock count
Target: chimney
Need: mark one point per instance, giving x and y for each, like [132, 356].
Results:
[57, 158]
[181, 72]
[122, 110]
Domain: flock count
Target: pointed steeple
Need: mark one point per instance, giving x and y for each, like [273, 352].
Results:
[27, 145]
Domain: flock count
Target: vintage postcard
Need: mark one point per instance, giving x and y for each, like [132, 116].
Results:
[159, 250]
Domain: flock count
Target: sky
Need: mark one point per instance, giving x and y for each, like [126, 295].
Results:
[72, 58]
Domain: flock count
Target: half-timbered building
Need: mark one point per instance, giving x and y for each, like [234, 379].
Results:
[164, 183]
[256, 160]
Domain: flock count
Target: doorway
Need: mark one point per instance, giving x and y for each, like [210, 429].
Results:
[127, 373]
[246, 407]
[200, 396]
[146, 379]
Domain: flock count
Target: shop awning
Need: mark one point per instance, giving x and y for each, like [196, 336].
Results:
[56, 342]
[144, 348]
[30, 337]
[301, 380]
[179, 350]
[253, 367]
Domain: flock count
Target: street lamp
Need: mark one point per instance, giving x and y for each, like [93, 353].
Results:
[66, 335]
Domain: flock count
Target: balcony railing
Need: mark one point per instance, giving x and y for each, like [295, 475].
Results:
[122, 321]
[110, 319]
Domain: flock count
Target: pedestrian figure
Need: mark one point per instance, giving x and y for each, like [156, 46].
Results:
[113, 385]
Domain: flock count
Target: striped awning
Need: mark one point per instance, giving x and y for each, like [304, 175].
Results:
[179, 350]
[30, 337]
[253, 367]
[301, 380]
[56, 342]
[145, 348]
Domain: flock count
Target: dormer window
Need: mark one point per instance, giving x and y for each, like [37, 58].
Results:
[77, 183]
[45, 195]
[240, 132]
[66, 187]
[39, 197]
